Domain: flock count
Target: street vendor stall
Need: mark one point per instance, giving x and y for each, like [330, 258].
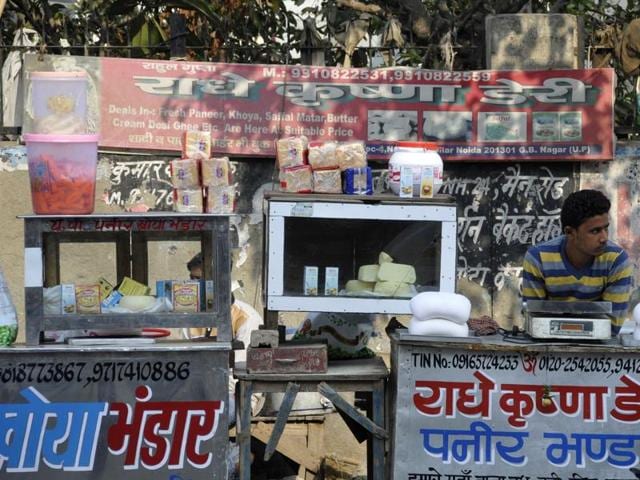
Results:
[338, 247]
[117, 405]
[359, 254]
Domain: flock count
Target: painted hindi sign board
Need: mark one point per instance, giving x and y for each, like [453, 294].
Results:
[498, 412]
[142, 413]
[475, 115]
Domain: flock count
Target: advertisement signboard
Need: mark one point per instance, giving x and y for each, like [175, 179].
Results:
[505, 412]
[479, 115]
[104, 413]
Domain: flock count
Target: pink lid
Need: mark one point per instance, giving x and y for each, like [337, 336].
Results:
[47, 138]
[59, 75]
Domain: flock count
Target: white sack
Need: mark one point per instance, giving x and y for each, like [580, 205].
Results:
[450, 306]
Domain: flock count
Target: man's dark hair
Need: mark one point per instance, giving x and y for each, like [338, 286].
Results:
[196, 261]
[582, 205]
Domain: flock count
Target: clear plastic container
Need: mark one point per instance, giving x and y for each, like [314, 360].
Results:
[59, 102]
[415, 155]
[8, 317]
[62, 172]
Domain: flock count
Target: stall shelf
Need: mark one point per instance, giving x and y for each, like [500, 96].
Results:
[131, 234]
[506, 407]
[349, 231]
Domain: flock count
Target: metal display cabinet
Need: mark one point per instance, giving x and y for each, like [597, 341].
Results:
[348, 231]
[131, 234]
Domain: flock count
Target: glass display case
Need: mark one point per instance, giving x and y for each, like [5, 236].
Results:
[131, 234]
[328, 252]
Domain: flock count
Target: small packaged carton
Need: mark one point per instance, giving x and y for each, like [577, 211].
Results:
[292, 151]
[331, 280]
[68, 295]
[186, 296]
[196, 144]
[129, 286]
[426, 183]
[216, 172]
[406, 182]
[310, 280]
[111, 300]
[88, 298]
[220, 200]
[298, 179]
[105, 287]
[164, 289]
[188, 200]
[185, 173]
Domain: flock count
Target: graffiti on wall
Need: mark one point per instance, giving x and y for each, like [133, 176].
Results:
[501, 212]
[139, 184]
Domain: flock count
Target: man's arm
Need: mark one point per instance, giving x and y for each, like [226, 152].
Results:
[618, 290]
[532, 277]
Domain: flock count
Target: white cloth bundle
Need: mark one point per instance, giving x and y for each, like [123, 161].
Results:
[437, 327]
[444, 305]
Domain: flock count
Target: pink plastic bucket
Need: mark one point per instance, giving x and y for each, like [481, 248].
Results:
[59, 101]
[62, 172]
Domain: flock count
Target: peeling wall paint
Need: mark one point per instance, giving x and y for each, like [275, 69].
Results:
[13, 158]
[620, 179]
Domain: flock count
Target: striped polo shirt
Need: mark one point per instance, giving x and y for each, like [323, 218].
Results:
[547, 274]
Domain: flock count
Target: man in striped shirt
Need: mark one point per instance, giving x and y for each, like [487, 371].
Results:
[582, 264]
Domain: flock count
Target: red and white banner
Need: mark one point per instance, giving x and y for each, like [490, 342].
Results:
[480, 115]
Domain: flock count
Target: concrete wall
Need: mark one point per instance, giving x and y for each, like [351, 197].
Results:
[534, 41]
[502, 208]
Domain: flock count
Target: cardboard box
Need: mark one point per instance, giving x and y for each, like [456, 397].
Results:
[288, 359]
[111, 300]
[331, 280]
[68, 298]
[406, 182]
[186, 296]
[426, 183]
[164, 289]
[88, 298]
[311, 280]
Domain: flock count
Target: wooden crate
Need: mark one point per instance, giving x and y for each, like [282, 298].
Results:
[288, 359]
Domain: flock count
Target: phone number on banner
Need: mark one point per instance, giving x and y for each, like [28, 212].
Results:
[81, 372]
[310, 73]
[529, 362]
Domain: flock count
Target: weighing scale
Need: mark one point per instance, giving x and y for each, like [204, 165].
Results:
[568, 320]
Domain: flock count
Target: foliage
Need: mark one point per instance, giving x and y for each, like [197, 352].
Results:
[230, 30]
[439, 34]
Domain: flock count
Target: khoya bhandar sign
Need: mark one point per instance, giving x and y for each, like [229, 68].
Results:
[145, 413]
